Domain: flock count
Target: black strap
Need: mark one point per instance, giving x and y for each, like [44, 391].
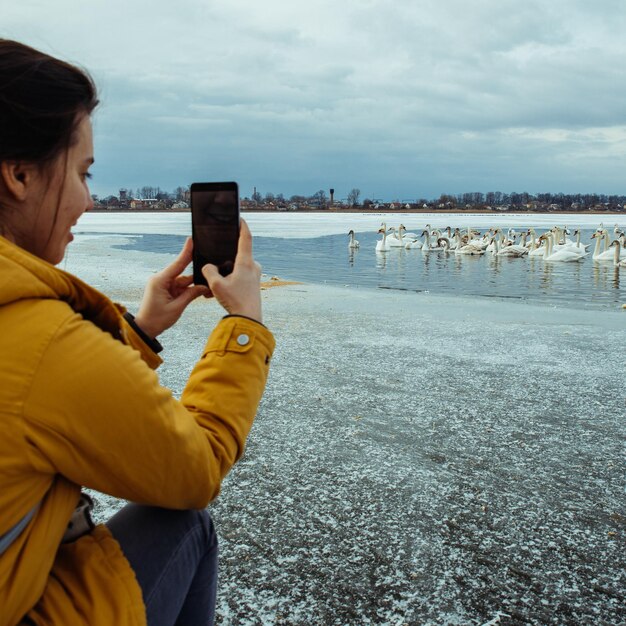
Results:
[153, 344]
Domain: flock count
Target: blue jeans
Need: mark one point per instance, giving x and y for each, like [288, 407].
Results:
[174, 556]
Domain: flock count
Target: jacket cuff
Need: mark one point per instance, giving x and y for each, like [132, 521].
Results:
[245, 317]
[153, 344]
[237, 333]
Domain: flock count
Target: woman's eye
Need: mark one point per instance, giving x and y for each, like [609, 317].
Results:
[87, 175]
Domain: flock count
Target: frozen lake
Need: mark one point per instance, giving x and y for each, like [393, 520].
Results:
[313, 248]
[298, 225]
[418, 458]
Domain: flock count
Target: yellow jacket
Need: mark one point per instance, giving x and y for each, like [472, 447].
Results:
[79, 406]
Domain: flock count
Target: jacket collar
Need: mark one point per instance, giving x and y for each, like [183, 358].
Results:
[24, 276]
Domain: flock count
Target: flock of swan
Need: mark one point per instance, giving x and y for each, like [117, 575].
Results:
[554, 245]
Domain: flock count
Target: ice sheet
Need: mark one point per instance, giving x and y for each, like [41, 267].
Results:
[416, 459]
[294, 224]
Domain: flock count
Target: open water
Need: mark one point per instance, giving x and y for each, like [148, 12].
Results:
[305, 248]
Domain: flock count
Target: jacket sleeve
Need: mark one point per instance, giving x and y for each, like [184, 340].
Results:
[97, 415]
[132, 338]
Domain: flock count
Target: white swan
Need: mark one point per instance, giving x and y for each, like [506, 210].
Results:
[430, 247]
[443, 243]
[567, 244]
[598, 236]
[497, 234]
[511, 250]
[564, 255]
[406, 234]
[426, 246]
[608, 255]
[577, 244]
[414, 244]
[381, 244]
[353, 243]
[536, 249]
[511, 235]
[469, 248]
[561, 238]
[396, 240]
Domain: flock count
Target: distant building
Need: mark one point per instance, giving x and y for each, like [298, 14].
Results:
[144, 203]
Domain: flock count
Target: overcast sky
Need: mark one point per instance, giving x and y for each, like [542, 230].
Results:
[400, 98]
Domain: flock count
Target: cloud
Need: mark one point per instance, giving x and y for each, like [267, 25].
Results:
[409, 98]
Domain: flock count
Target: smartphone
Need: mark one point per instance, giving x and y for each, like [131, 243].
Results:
[214, 227]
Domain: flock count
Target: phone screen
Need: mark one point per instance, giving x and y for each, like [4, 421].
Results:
[215, 227]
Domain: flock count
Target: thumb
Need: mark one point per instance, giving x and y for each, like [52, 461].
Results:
[211, 273]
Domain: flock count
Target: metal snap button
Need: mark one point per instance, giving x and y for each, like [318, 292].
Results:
[243, 340]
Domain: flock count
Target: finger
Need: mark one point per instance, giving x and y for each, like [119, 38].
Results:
[244, 247]
[182, 260]
[184, 281]
[194, 292]
[212, 275]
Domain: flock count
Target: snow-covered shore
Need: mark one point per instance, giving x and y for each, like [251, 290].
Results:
[416, 459]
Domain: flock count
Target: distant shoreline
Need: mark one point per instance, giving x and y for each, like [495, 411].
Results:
[377, 211]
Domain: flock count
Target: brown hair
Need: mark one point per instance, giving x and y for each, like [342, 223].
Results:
[42, 100]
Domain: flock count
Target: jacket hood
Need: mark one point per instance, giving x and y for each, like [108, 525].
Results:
[24, 276]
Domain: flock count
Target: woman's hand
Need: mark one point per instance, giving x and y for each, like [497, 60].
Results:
[167, 295]
[239, 292]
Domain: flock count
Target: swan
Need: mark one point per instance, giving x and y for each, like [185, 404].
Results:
[598, 236]
[474, 239]
[394, 240]
[523, 237]
[400, 238]
[440, 241]
[497, 234]
[564, 255]
[568, 243]
[443, 243]
[426, 244]
[577, 244]
[453, 239]
[511, 234]
[457, 241]
[353, 243]
[414, 244]
[381, 244]
[536, 249]
[512, 250]
[406, 234]
[561, 237]
[608, 254]
[617, 261]
[469, 248]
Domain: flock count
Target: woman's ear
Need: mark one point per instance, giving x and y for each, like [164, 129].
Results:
[17, 177]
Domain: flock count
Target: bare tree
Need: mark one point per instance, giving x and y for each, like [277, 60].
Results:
[179, 192]
[353, 197]
[319, 198]
[147, 192]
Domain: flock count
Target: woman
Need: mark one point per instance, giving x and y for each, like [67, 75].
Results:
[80, 405]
